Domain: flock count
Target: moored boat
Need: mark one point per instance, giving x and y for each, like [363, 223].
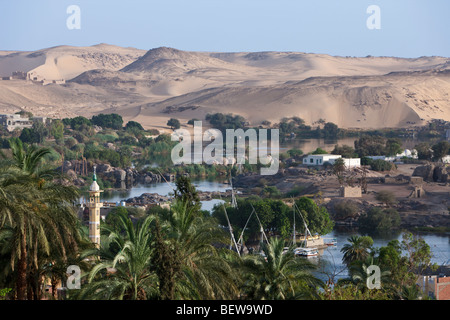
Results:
[306, 252]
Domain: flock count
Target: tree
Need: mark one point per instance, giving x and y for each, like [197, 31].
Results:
[295, 153]
[278, 275]
[379, 220]
[124, 273]
[166, 260]
[205, 273]
[57, 129]
[386, 197]
[191, 122]
[317, 218]
[319, 151]
[357, 249]
[440, 150]
[77, 122]
[345, 209]
[381, 165]
[174, 123]
[330, 130]
[29, 135]
[112, 120]
[40, 131]
[424, 151]
[339, 169]
[393, 146]
[186, 192]
[133, 125]
[370, 146]
[345, 151]
[34, 209]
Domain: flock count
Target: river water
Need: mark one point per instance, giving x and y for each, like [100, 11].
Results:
[329, 260]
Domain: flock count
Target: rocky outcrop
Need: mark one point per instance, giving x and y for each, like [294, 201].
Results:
[120, 177]
[433, 172]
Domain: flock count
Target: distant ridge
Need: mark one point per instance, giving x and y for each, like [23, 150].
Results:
[150, 86]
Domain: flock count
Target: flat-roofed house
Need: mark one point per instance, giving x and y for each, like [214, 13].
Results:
[322, 159]
[14, 121]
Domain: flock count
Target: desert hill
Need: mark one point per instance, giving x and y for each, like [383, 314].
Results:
[152, 86]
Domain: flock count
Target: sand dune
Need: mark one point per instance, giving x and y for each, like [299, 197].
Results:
[152, 86]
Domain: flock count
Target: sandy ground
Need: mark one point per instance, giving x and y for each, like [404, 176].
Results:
[153, 86]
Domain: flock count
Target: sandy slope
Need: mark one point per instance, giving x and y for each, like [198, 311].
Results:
[152, 86]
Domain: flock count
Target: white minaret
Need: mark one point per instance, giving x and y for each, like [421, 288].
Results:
[94, 206]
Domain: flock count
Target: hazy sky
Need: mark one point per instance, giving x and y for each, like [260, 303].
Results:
[409, 28]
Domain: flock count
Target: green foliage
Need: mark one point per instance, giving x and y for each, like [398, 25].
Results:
[174, 123]
[222, 121]
[29, 135]
[345, 209]
[316, 217]
[386, 197]
[4, 292]
[381, 165]
[77, 122]
[112, 120]
[133, 125]
[424, 151]
[330, 130]
[357, 249]
[372, 146]
[345, 151]
[295, 153]
[294, 192]
[274, 215]
[440, 150]
[185, 192]
[57, 129]
[378, 220]
[319, 151]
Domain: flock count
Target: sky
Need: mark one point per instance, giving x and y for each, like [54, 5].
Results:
[407, 28]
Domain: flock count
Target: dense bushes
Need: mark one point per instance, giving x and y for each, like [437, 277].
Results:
[111, 120]
[377, 219]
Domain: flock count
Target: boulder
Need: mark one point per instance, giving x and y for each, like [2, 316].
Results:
[120, 174]
[425, 171]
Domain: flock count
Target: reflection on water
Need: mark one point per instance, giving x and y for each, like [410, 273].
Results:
[330, 259]
[166, 189]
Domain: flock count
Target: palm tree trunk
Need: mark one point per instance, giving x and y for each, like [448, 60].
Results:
[21, 282]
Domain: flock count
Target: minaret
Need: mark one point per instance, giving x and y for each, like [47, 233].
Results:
[94, 206]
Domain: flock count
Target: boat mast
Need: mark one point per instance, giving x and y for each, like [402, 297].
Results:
[304, 222]
[233, 240]
[294, 241]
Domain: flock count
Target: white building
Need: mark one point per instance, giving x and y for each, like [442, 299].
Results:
[352, 162]
[13, 121]
[446, 159]
[321, 159]
[411, 154]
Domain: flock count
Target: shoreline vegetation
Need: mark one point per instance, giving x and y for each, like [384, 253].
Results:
[182, 252]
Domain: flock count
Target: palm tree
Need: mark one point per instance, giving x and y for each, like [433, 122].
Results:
[357, 249]
[36, 209]
[360, 272]
[278, 275]
[206, 271]
[125, 273]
